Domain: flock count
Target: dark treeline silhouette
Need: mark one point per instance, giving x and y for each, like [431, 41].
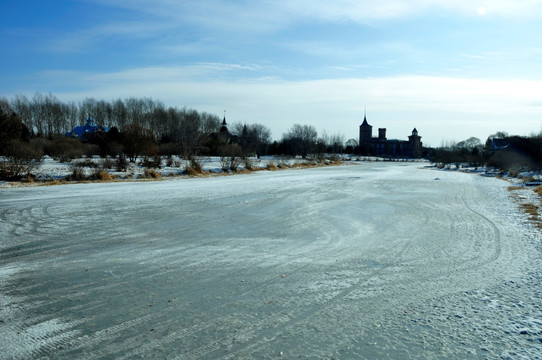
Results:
[143, 126]
[136, 128]
[500, 151]
[47, 116]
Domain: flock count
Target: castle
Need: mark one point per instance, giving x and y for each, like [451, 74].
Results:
[381, 146]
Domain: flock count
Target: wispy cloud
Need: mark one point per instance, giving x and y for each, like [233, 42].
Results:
[267, 13]
[84, 39]
[399, 102]
[367, 11]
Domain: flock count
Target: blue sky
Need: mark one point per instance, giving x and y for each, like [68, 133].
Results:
[452, 69]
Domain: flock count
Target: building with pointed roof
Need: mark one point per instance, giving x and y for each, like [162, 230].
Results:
[222, 137]
[381, 146]
[81, 132]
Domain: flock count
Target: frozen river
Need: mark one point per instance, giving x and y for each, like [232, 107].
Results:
[371, 260]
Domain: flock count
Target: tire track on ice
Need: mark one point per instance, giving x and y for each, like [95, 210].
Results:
[286, 322]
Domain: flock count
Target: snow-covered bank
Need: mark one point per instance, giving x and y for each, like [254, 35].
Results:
[50, 169]
[370, 260]
[53, 172]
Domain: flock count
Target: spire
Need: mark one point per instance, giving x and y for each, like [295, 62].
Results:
[224, 127]
[365, 123]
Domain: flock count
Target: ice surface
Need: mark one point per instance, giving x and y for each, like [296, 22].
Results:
[370, 260]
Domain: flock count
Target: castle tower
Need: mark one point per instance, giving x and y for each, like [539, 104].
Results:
[415, 142]
[365, 132]
[382, 134]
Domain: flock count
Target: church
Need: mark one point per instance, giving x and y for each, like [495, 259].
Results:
[381, 146]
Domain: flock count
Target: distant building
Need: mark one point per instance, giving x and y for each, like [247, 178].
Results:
[381, 146]
[223, 136]
[81, 132]
[499, 144]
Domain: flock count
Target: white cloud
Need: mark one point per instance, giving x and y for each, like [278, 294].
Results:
[441, 108]
[267, 15]
[364, 11]
[85, 39]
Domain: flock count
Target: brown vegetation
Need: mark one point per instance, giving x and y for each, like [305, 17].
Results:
[528, 207]
[101, 175]
[151, 174]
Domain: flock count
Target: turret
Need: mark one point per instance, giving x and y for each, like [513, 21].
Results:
[415, 142]
[382, 134]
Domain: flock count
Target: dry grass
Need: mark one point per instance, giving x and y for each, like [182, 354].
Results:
[192, 171]
[101, 175]
[152, 174]
[530, 209]
[52, 182]
[271, 166]
[78, 174]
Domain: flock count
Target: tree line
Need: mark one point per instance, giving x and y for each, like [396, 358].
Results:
[141, 127]
[47, 116]
[500, 151]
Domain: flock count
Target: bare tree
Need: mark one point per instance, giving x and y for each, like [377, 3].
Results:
[72, 115]
[119, 114]
[134, 110]
[22, 107]
[37, 109]
[137, 141]
[87, 108]
[209, 123]
[189, 131]
[255, 138]
[301, 139]
[230, 157]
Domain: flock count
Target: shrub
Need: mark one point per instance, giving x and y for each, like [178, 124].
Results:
[194, 166]
[170, 148]
[151, 174]
[78, 173]
[271, 166]
[334, 159]
[86, 163]
[108, 163]
[510, 159]
[152, 163]
[248, 163]
[225, 164]
[101, 175]
[171, 162]
[19, 160]
[64, 149]
[230, 157]
[91, 149]
[122, 163]
[113, 148]
[39, 144]
[137, 141]
[282, 166]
